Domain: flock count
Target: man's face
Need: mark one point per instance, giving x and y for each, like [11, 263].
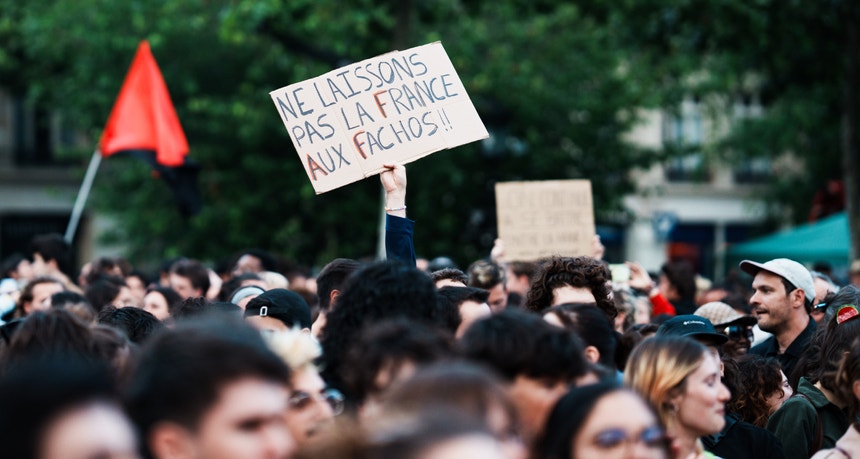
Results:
[246, 422]
[42, 296]
[182, 286]
[534, 399]
[498, 298]
[124, 298]
[309, 412]
[97, 429]
[248, 264]
[568, 294]
[770, 302]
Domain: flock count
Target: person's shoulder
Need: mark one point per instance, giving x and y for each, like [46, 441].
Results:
[763, 348]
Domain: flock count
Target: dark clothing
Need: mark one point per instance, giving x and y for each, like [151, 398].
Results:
[788, 359]
[398, 239]
[796, 422]
[684, 306]
[740, 440]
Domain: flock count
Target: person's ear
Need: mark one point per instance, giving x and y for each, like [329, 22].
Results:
[855, 387]
[592, 354]
[168, 440]
[332, 298]
[799, 297]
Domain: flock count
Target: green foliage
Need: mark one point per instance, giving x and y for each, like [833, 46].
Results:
[553, 81]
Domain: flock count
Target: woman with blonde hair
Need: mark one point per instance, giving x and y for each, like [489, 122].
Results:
[681, 380]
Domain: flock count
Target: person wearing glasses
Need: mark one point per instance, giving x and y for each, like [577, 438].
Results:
[736, 326]
[603, 420]
[312, 405]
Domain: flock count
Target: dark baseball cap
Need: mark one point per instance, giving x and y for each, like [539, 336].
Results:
[281, 304]
[696, 327]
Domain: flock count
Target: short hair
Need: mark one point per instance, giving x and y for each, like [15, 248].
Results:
[449, 300]
[332, 277]
[378, 291]
[194, 271]
[102, 290]
[102, 266]
[391, 344]
[682, 276]
[267, 261]
[137, 324]
[569, 416]
[75, 303]
[591, 325]
[53, 246]
[449, 273]
[230, 287]
[181, 372]
[580, 272]
[658, 369]
[485, 274]
[523, 268]
[35, 392]
[514, 343]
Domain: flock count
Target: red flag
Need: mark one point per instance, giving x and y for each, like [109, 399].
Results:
[143, 117]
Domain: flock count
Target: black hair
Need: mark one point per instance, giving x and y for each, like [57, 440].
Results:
[591, 325]
[332, 277]
[182, 371]
[449, 273]
[137, 324]
[230, 287]
[267, 261]
[378, 291]
[485, 274]
[682, 276]
[49, 333]
[35, 392]
[194, 271]
[170, 297]
[390, 344]
[580, 272]
[52, 246]
[569, 416]
[514, 343]
[449, 300]
[101, 291]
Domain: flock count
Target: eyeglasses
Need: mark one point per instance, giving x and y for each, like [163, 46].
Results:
[652, 437]
[300, 400]
[820, 306]
[738, 332]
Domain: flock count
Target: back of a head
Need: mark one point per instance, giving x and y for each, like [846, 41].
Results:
[332, 277]
[659, 366]
[470, 389]
[453, 274]
[181, 371]
[381, 290]
[682, 276]
[137, 324]
[833, 341]
[52, 246]
[514, 343]
[102, 289]
[75, 303]
[591, 325]
[449, 300]
[485, 274]
[48, 333]
[35, 392]
[389, 346]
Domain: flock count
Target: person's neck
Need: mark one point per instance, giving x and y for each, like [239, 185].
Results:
[684, 443]
[791, 332]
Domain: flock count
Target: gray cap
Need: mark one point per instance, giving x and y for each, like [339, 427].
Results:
[790, 270]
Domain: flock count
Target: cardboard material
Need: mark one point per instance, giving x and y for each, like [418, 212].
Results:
[544, 218]
[394, 108]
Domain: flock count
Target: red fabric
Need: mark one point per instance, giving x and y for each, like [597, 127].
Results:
[143, 117]
[661, 305]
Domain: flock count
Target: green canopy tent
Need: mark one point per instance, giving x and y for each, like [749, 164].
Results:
[826, 240]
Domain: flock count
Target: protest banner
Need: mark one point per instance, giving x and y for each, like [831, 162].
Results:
[393, 108]
[544, 218]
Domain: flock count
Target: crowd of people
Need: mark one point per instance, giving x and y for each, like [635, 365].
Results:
[402, 359]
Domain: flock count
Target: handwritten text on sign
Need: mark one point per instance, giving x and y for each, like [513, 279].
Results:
[539, 219]
[393, 108]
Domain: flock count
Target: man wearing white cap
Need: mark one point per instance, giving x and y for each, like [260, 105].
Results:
[784, 293]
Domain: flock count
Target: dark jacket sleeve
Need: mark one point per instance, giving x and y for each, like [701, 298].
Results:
[398, 239]
[794, 425]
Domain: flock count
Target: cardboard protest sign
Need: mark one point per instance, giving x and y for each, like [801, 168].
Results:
[393, 108]
[539, 219]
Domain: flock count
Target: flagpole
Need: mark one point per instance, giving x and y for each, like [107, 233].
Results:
[83, 193]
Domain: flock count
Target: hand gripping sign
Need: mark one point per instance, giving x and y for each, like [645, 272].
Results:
[394, 108]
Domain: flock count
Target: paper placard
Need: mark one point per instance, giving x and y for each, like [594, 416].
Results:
[394, 108]
[544, 218]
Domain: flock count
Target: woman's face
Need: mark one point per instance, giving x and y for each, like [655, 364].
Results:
[155, 304]
[776, 399]
[701, 408]
[620, 426]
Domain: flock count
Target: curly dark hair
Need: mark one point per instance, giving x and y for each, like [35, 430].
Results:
[751, 380]
[849, 371]
[382, 290]
[578, 272]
